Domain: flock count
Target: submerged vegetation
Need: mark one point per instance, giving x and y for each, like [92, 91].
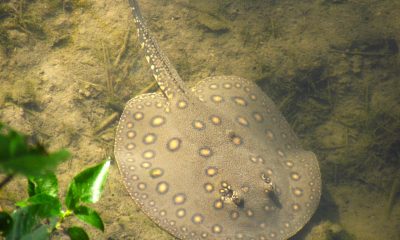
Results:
[42, 215]
[21, 21]
[348, 113]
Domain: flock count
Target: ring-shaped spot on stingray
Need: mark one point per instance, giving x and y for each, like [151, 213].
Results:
[253, 159]
[217, 98]
[174, 144]
[148, 154]
[263, 225]
[269, 208]
[216, 228]
[296, 207]
[239, 235]
[198, 125]
[180, 213]
[163, 213]
[272, 235]
[142, 186]
[215, 120]
[152, 203]
[157, 121]
[239, 101]
[197, 218]
[213, 86]
[211, 171]
[130, 146]
[261, 160]
[234, 215]
[294, 176]
[298, 192]
[131, 134]
[258, 117]
[281, 153]
[269, 171]
[156, 172]
[270, 135]
[242, 121]
[179, 198]
[145, 165]
[138, 116]
[159, 105]
[205, 152]
[149, 138]
[227, 85]
[253, 97]
[209, 187]
[218, 204]
[235, 139]
[162, 187]
[249, 213]
[289, 164]
[135, 178]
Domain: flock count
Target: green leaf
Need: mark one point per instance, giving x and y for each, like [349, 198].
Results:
[17, 144]
[43, 184]
[87, 186]
[89, 216]
[27, 225]
[17, 156]
[24, 221]
[5, 222]
[77, 233]
[31, 188]
[47, 206]
[40, 233]
[34, 164]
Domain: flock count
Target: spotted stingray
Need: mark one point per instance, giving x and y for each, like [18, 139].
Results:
[215, 161]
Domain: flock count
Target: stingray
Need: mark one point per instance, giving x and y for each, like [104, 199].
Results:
[215, 161]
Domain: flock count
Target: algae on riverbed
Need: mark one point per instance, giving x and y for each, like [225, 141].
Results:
[332, 67]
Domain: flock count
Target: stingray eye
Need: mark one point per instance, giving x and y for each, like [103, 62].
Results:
[269, 185]
[266, 178]
[228, 194]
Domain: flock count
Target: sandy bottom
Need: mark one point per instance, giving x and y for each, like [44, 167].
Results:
[57, 89]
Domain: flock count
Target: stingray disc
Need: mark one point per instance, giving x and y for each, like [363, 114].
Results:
[217, 161]
[227, 166]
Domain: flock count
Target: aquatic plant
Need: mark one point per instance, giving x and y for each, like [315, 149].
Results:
[41, 215]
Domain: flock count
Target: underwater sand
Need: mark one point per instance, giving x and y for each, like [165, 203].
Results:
[331, 66]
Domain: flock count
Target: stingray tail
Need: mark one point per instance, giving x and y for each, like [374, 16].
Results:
[165, 74]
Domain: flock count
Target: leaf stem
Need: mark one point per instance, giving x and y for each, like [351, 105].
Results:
[63, 215]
